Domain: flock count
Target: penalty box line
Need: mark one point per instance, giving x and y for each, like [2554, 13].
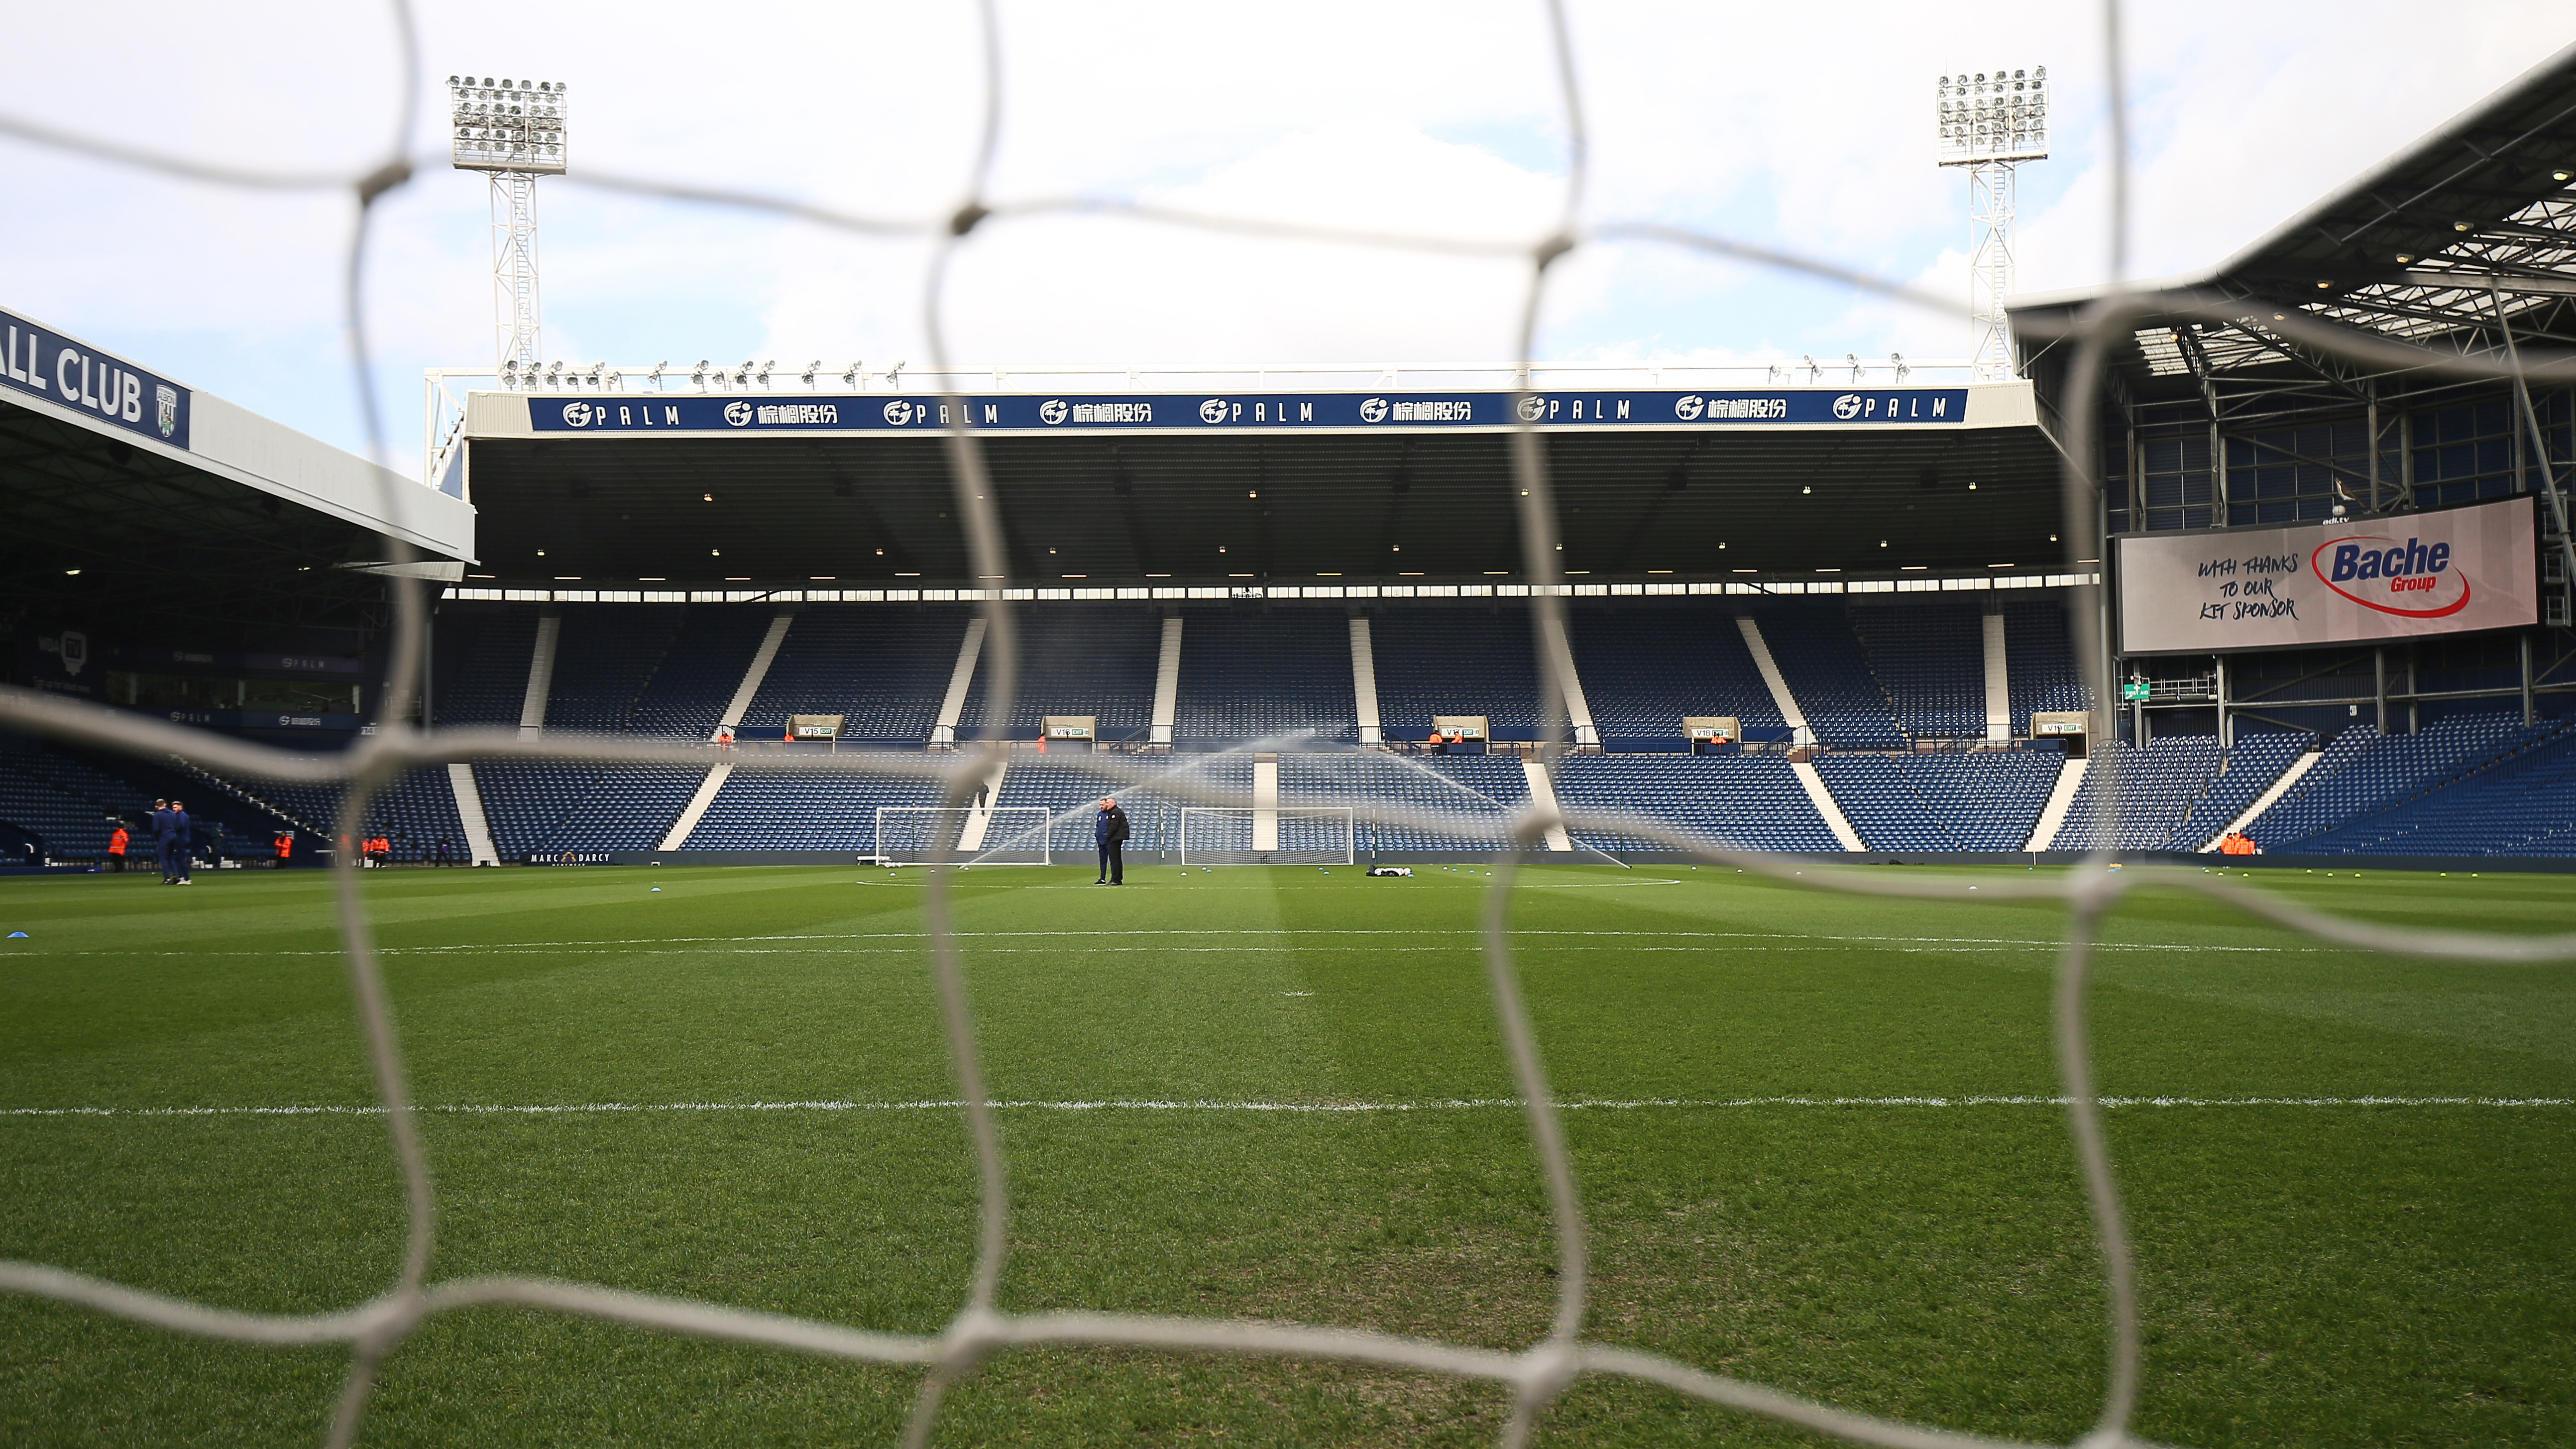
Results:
[1461, 1104]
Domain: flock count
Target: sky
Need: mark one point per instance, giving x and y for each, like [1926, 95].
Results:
[1801, 128]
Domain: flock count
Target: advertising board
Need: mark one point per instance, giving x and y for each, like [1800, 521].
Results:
[2401, 577]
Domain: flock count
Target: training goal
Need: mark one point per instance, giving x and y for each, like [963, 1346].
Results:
[1002, 835]
[1267, 835]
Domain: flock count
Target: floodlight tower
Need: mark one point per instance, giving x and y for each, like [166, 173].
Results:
[513, 130]
[1990, 123]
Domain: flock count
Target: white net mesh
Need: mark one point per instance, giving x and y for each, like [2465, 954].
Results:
[1535, 1375]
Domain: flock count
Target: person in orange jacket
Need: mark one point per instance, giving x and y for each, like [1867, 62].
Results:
[116, 842]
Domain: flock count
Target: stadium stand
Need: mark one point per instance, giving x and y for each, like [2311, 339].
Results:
[603, 659]
[2156, 789]
[1821, 659]
[65, 801]
[490, 678]
[2523, 806]
[1647, 667]
[2250, 767]
[1402, 802]
[700, 671]
[1930, 658]
[1096, 660]
[1753, 801]
[882, 669]
[416, 811]
[1258, 676]
[791, 810]
[2039, 660]
[1951, 800]
[2366, 774]
[1436, 661]
[1072, 795]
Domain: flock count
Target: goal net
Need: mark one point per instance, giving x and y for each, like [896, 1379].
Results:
[1002, 835]
[1267, 835]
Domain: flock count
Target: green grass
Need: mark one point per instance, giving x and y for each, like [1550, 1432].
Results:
[2312, 1275]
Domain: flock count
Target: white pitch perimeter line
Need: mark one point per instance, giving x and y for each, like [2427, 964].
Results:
[1465, 1104]
[909, 939]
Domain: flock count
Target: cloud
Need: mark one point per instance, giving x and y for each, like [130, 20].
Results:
[1801, 128]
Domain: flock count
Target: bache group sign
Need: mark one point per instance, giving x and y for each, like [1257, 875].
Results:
[2330, 583]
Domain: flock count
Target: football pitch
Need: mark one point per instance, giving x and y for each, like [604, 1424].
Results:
[1813, 1134]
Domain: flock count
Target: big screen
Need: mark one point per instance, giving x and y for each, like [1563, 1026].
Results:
[2330, 583]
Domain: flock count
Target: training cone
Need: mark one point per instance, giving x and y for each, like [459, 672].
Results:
[17, 935]
[657, 890]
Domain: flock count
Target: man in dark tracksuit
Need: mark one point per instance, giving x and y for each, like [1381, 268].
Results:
[1109, 831]
[183, 842]
[162, 829]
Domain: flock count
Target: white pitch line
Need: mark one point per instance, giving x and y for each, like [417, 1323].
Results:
[912, 940]
[1461, 1104]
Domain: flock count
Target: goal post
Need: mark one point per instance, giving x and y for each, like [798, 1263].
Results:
[1001, 835]
[1268, 835]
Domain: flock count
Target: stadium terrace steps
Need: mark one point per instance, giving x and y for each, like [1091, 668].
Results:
[961, 677]
[1980, 800]
[979, 818]
[1998, 680]
[1782, 701]
[2252, 767]
[1932, 663]
[2150, 790]
[1820, 660]
[1752, 802]
[2061, 799]
[479, 849]
[1534, 773]
[2280, 786]
[880, 669]
[2042, 651]
[752, 676]
[1648, 666]
[1167, 681]
[695, 812]
[699, 672]
[1364, 681]
[541, 681]
[1823, 800]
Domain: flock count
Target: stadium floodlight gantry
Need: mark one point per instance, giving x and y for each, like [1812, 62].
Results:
[514, 132]
[1987, 123]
